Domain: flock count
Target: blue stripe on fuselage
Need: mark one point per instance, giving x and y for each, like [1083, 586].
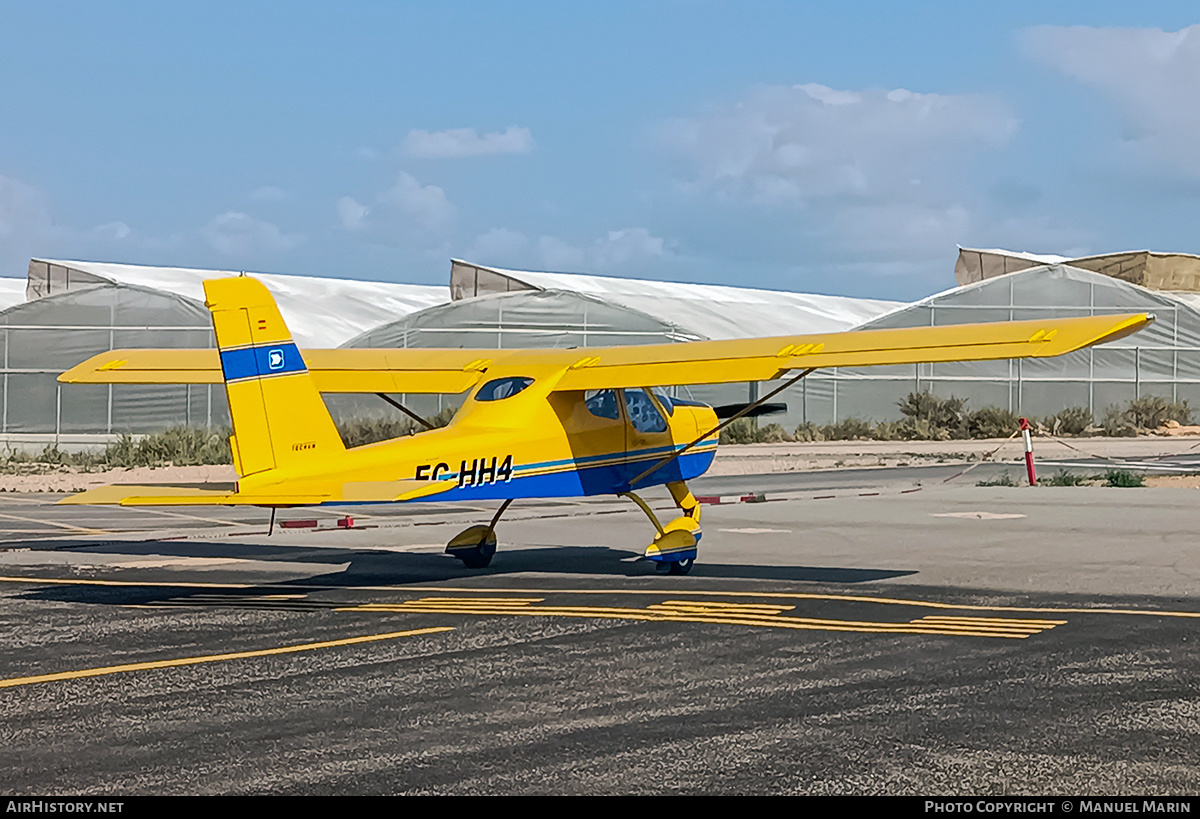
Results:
[568, 483]
[589, 480]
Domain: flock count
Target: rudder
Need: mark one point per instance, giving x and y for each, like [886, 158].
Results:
[279, 418]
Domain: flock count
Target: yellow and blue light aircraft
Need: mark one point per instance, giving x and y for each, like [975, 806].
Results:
[536, 423]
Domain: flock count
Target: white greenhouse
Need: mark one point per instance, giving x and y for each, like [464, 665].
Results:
[72, 310]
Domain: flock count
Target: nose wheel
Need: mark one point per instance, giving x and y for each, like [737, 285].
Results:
[676, 566]
[673, 549]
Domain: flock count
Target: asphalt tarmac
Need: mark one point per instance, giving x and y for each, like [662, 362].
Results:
[861, 632]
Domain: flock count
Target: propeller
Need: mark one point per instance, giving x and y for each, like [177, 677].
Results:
[751, 411]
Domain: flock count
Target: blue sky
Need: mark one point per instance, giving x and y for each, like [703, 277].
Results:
[836, 148]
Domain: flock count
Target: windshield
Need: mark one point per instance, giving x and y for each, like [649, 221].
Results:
[500, 388]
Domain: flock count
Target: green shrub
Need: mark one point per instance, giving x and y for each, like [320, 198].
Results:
[1070, 421]
[1152, 411]
[372, 430]
[363, 431]
[848, 429]
[1003, 480]
[888, 431]
[921, 429]
[1122, 478]
[808, 432]
[947, 414]
[1116, 424]
[740, 431]
[992, 422]
[178, 446]
[773, 434]
[1064, 478]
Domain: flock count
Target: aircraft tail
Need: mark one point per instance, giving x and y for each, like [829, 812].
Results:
[279, 419]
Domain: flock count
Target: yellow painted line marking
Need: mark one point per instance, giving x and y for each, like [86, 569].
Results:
[786, 623]
[1001, 620]
[215, 658]
[848, 598]
[717, 604]
[892, 601]
[728, 616]
[510, 601]
[83, 529]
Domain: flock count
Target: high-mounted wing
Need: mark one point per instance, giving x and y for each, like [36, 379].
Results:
[586, 368]
[764, 359]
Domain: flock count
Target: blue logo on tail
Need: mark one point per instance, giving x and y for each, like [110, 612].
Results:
[275, 359]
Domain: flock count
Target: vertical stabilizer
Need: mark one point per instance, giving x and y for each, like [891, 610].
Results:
[279, 419]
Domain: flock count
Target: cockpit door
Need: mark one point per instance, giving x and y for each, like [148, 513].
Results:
[647, 427]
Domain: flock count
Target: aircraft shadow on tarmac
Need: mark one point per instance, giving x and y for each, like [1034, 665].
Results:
[381, 567]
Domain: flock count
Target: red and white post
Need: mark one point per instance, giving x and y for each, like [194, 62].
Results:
[1028, 452]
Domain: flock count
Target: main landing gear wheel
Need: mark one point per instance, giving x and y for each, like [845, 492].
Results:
[481, 559]
[474, 546]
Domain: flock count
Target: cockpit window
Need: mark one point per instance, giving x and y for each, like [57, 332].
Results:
[602, 403]
[665, 399]
[643, 415]
[500, 388]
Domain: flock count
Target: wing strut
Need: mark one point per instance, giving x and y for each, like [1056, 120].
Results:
[746, 410]
[406, 411]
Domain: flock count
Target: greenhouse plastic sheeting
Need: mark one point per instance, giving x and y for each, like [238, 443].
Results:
[543, 318]
[320, 312]
[43, 338]
[1163, 359]
[703, 310]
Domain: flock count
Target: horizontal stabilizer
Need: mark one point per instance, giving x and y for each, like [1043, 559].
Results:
[340, 370]
[283, 495]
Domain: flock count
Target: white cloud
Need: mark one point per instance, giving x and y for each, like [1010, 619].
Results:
[113, 231]
[235, 233]
[806, 142]
[1151, 74]
[425, 205]
[352, 214]
[460, 142]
